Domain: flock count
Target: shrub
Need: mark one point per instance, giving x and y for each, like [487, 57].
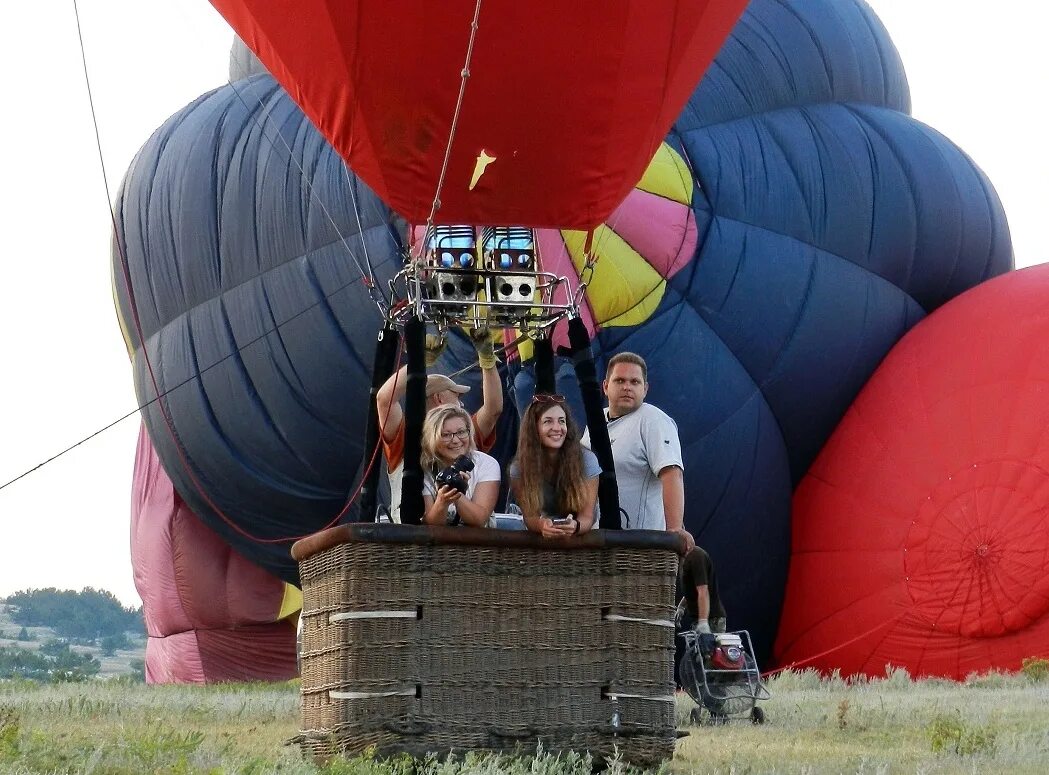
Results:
[138, 669]
[897, 677]
[992, 679]
[159, 745]
[9, 729]
[54, 663]
[951, 734]
[54, 648]
[843, 713]
[1035, 668]
[110, 643]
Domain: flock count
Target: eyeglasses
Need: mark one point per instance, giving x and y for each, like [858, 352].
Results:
[462, 434]
[548, 398]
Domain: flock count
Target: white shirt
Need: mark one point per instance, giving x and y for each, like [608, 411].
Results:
[486, 469]
[393, 452]
[644, 442]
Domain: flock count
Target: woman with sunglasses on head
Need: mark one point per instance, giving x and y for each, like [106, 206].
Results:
[447, 436]
[554, 477]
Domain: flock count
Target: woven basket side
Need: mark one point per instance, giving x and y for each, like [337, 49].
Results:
[487, 648]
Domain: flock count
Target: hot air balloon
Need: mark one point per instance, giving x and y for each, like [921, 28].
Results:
[921, 533]
[555, 113]
[793, 224]
[211, 615]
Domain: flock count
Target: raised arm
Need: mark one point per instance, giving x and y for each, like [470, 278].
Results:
[491, 387]
[492, 392]
[388, 403]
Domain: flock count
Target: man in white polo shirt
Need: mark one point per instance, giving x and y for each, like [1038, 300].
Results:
[646, 450]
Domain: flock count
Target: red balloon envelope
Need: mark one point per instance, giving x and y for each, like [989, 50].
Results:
[211, 615]
[921, 532]
[568, 101]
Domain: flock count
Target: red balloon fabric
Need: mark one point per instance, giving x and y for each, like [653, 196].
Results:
[563, 108]
[210, 614]
[921, 532]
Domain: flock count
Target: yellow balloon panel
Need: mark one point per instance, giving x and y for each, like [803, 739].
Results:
[291, 602]
[624, 290]
[668, 176]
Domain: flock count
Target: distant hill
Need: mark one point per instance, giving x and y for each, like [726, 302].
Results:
[87, 615]
[121, 655]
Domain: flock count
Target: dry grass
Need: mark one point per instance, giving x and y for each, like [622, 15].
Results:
[889, 725]
[991, 723]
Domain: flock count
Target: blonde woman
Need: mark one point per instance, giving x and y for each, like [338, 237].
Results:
[448, 435]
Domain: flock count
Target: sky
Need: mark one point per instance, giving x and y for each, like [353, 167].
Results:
[978, 71]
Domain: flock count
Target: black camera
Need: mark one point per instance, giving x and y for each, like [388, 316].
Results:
[452, 476]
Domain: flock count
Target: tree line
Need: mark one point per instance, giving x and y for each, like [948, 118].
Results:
[85, 616]
[54, 662]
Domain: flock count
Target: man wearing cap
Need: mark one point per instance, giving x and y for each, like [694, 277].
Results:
[440, 390]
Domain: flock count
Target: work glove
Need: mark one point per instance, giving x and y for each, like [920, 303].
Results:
[702, 625]
[482, 339]
[435, 345]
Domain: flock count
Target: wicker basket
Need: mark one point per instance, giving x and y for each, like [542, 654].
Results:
[420, 639]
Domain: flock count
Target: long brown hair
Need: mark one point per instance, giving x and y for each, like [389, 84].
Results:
[565, 471]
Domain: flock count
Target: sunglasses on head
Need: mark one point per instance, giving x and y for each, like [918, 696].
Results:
[548, 398]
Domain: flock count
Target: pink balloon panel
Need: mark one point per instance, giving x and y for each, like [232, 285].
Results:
[210, 614]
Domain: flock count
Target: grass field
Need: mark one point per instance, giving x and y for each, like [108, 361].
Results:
[991, 723]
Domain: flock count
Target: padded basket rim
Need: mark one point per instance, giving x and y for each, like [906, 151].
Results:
[429, 535]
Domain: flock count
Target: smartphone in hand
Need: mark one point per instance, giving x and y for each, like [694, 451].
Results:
[562, 521]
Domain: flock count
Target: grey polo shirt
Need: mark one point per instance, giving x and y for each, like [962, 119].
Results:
[644, 442]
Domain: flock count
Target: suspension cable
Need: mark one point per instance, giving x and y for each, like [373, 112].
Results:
[352, 185]
[126, 272]
[195, 375]
[465, 74]
[145, 353]
[244, 74]
[370, 282]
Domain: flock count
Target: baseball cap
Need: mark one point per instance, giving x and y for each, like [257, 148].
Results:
[435, 383]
